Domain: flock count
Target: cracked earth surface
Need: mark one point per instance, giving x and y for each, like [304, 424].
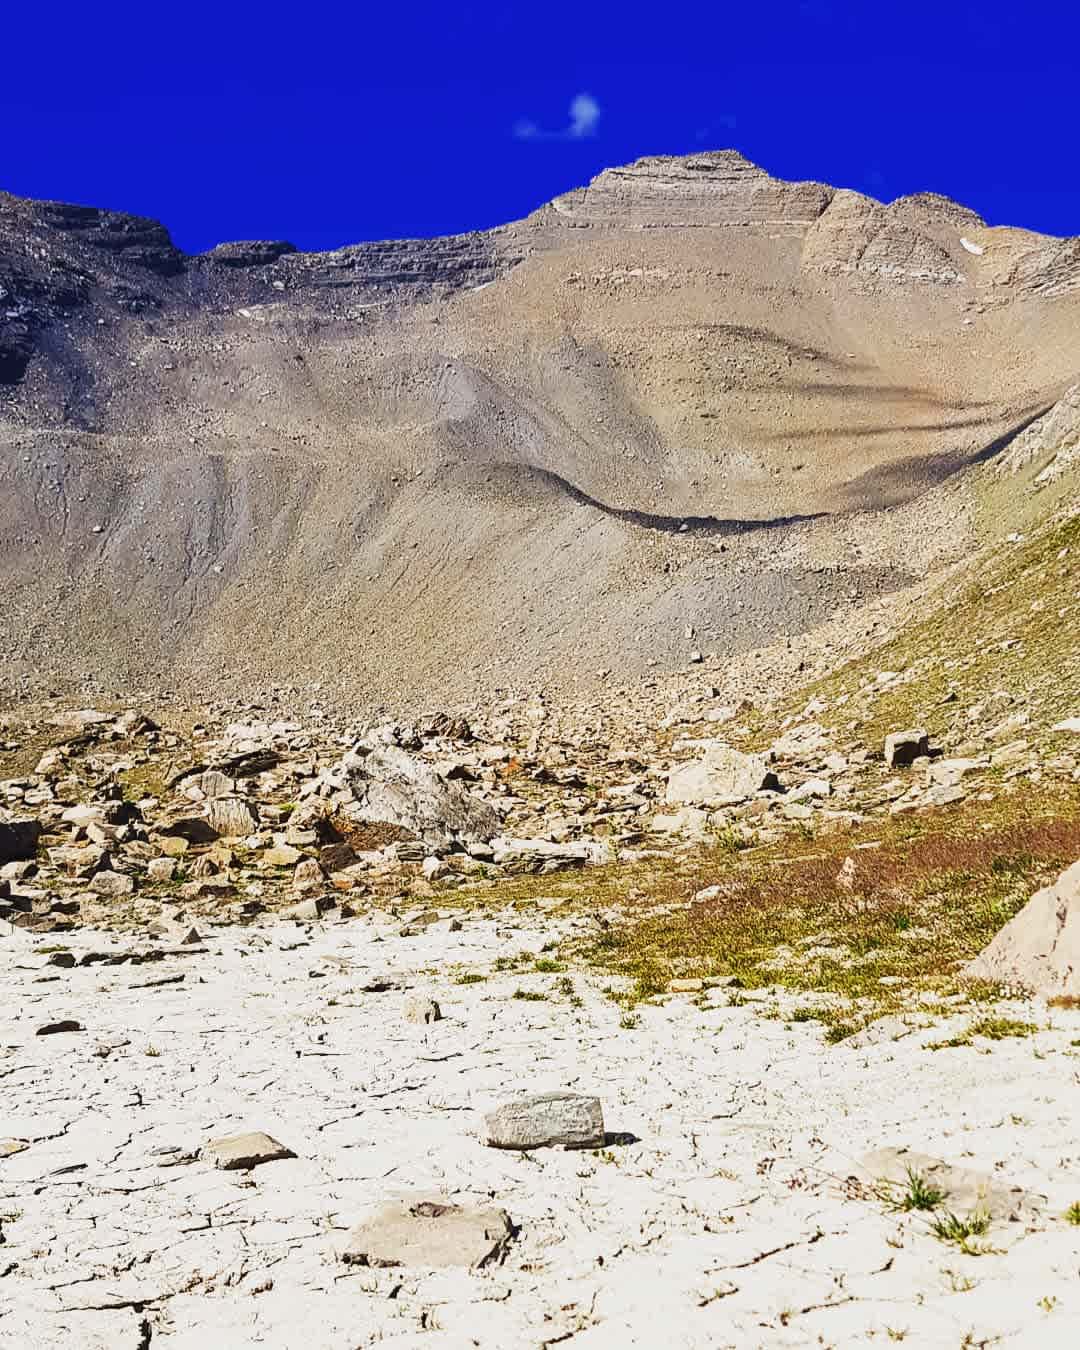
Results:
[726, 1210]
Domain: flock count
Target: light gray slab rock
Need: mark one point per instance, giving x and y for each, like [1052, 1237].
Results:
[243, 1151]
[546, 1120]
[966, 1191]
[722, 774]
[1039, 949]
[430, 1233]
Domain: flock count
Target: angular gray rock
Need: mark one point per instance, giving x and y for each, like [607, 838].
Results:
[243, 1151]
[19, 836]
[391, 785]
[112, 884]
[546, 1120]
[1039, 948]
[430, 1233]
[722, 774]
[902, 747]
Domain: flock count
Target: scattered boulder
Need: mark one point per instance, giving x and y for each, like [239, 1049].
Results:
[80, 719]
[904, 747]
[1039, 949]
[545, 1120]
[112, 884]
[243, 1151]
[56, 1028]
[281, 855]
[721, 775]
[19, 837]
[230, 817]
[308, 876]
[390, 785]
[430, 1233]
[540, 856]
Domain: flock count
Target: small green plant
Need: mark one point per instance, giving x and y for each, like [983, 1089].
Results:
[630, 1021]
[470, 977]
[546, 966]
[1072, 1214]
[1047, 1303]
[730, 839]
[919, 1193]
[895, 1334]
[949, 1227]
[153, 1052]
[530, 995]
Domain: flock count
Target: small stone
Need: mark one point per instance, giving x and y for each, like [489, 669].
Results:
[63, 960]
[55, 1028]
[545, 1120]
[685, 986]
[243, 1151]
[173, 846]
[429, 1233]
[421, 1010]
[160, 869]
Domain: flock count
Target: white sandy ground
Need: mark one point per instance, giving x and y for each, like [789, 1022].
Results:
[727, 1224]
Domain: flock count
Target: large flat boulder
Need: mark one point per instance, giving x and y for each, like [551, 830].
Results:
[1039, 949]
[429, 1234]
[964, 1191]
[722, 774]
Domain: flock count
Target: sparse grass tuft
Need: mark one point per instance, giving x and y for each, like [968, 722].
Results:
[1000, 1028]
[949, 1227]
[1072, 1214]
[919, 1193]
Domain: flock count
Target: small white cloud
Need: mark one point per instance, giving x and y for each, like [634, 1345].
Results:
[584, 116]
[584, 119]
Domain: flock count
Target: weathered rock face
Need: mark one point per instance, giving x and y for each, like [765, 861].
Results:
[393, 786]
[1039, 949]
[722, 774]
[430, 1233]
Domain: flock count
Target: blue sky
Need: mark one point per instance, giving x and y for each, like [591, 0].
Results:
[331, 123]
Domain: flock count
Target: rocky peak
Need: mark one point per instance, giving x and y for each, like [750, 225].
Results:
[718, 187]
